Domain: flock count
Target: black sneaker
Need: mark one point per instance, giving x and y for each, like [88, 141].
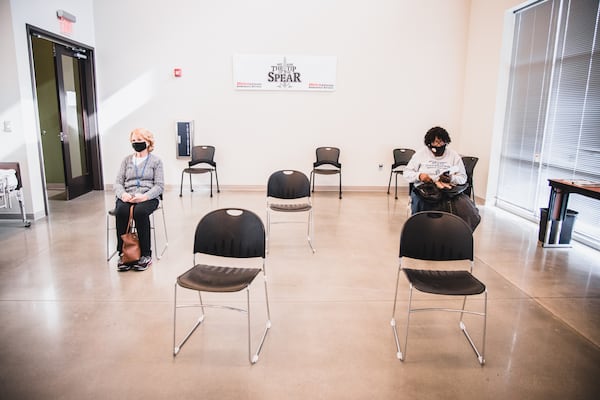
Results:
[143, 263]
[121, 266]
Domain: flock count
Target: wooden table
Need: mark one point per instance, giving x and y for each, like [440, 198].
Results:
[557, 205]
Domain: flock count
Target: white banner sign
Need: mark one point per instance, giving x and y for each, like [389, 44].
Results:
[264, 72]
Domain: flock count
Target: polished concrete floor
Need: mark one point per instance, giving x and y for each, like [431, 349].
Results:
[72, 327]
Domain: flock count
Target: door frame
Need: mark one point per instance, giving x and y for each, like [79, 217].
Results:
[90, 123]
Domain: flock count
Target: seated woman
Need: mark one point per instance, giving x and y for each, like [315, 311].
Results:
[140, 182]
[437, 164]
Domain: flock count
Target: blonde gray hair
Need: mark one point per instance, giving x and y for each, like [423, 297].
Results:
[146, 134]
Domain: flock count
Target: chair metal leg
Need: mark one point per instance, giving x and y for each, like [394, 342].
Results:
[251, 358]
[264, 272]
[311, 230]
[153, 228]
[480, 356]
[312, 180]
[401, 355]
[254, 358]
[340, 184]
[177, 347]
[109, 255]
[268, 234]
[396, 188]
[393, 320]
[217, 179]
[211, 184]
[21, 199]
[181, 185]
[390, 181]
[165, 227]
[191, 187]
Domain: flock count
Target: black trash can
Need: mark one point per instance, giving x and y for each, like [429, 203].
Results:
[567, 226]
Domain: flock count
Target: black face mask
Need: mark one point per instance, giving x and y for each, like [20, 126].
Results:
[139, 146]
[438, 151]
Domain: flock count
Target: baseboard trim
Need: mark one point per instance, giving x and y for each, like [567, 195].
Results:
[259, 188]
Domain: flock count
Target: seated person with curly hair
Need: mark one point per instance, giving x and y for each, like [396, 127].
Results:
[436, 164]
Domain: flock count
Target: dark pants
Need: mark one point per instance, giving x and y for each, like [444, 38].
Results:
[141, 216]
[460, 205]
[417, 204]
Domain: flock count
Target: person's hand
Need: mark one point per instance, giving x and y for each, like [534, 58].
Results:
[443, 185]
[445, 177]
[423, 177]
[139, 198]
[126, 197]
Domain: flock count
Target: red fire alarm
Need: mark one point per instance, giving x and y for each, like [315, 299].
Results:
[177, 72]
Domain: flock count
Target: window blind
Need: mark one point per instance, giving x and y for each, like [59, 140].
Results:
[552, 121]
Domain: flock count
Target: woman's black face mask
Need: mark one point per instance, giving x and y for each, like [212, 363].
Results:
[139, 146]
[437, 150]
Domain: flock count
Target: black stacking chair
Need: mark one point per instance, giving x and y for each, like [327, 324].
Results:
[230, 235]
[201, 155]
[439, 237]
[401, 157]
[470, 163]
[288, 191]
[327, 164]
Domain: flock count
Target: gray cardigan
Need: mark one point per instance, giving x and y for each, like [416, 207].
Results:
[151, 182]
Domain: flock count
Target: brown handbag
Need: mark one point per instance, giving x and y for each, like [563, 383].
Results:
[131, 251]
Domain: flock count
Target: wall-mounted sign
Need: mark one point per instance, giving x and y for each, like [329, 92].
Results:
[285, 72]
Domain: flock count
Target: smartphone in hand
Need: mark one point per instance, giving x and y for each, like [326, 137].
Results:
[445, 177]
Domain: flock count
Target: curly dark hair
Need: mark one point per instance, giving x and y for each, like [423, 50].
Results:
[436, 132]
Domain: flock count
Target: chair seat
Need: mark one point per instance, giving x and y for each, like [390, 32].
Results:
[453, 283]
[193, 170]
[210, 278]
[290, 207]
[326, 171]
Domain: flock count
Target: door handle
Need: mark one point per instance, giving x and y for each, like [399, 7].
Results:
[62, 136]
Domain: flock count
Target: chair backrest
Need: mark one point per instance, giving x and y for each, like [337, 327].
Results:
[436, 236]
[328, 155]
[203, 154]
[230, 232]
[469, 163]
[402, 156]
[288, 184]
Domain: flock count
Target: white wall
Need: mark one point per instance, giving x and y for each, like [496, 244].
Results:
[400, 71]
[403, 66]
